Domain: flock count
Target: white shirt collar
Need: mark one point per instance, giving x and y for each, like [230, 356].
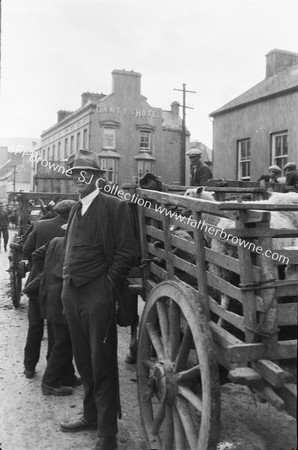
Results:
[89, 197]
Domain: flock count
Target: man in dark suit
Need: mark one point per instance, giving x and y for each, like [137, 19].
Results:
[43, 231]
[200, 173]
[100, 251]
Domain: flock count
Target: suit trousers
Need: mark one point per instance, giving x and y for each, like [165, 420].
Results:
[89, 310]
[60, 369]
[35, 335]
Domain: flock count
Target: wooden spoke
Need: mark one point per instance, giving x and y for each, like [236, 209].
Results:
[184, 350]
[189, 395]
[187, 421]
[158, 420]
[148, 363]
[168, 437]
[161, 308]
[155, 340]
[174, 330]
[179, 434]
[189, 374]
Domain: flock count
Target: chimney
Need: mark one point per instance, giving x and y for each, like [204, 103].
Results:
[92, 97]
[279, 60]
[128, 82]
[175, 108]
[62, 114]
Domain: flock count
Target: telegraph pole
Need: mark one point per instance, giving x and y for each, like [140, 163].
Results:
[183, 137]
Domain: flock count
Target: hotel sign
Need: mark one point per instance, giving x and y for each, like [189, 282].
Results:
[131, 112]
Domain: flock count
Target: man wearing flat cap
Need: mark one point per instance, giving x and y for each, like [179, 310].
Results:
[200, 173]
[43, 231]
[291, 173]
[274, 173]
[100, 250]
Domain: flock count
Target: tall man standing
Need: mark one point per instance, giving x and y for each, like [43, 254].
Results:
[100, 251]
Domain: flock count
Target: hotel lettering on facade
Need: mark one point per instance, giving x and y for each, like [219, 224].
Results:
[130, 136]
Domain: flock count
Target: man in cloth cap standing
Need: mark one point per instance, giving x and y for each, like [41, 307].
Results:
[199, 171]
[100, 251]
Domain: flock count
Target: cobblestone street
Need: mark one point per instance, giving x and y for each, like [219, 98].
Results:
[30, 420]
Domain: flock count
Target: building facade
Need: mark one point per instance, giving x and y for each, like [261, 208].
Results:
[260, 127]
[130, 136]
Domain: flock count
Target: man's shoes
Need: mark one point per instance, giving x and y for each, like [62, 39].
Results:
[29, 373]
[106, 443]
[73, 382]
[59, 391]
[77, 425]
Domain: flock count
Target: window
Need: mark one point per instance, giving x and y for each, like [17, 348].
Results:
[280, 149]
[111, 165]
[244, 160]
[66, 148]
[144, 167]
[85, 140]
[145, 140]
[71, 144]
[109, 138]
[53, 153]
[78, 141]
[59, 151]
[49, 154]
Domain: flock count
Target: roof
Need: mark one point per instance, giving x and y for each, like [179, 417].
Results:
[280, 84]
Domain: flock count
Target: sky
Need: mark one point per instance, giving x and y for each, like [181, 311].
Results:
[54, 50]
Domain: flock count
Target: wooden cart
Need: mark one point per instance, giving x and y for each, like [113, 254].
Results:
[181, 344]
[28, 208]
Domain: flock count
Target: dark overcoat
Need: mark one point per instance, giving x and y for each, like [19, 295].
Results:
[49, 260]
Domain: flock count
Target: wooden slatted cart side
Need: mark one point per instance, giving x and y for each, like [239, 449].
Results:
[249, 343]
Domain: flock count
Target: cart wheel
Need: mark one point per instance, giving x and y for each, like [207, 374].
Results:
[178, 384]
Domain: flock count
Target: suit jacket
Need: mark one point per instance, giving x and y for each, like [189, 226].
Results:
[49, 260]
[116, 232]
[43, 231]
[201, 175]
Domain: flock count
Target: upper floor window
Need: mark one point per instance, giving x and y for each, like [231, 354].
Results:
[111, 165]
[85, 139]
[109, 138]
[145, 140]
[71, 144]
[145, 167]
[53, 153]
[243, 160]
[59, 151]
[78, 141]
[66, 148]
[280, 149]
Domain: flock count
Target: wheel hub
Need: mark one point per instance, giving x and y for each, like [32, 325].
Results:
[162, 382]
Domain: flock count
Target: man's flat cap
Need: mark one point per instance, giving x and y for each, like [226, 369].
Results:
[64, 206]
[84, 160]
[194, 152]
[275, 168]
[290, 165]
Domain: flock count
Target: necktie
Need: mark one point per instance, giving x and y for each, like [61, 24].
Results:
[79, 210]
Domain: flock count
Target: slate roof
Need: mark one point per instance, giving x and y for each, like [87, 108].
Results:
[280, 84]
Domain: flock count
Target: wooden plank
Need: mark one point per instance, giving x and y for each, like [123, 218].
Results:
[248, 296]
[256, 206]
[223, 337]
[287, 314]
[224, 287]
[268, 394]
[289, 394]
[200, 265]
[267, 324]
[254, 352]
[228, 316]
[272, 373]
[256, 232]
[245, 376]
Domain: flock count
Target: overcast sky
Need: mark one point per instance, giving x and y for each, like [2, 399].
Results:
[53, 50]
